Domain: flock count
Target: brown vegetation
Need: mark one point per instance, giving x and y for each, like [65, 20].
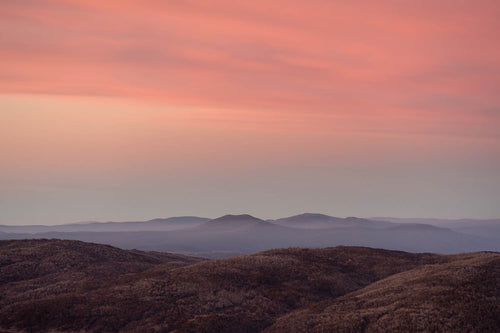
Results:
[460, 296]
[74, 286]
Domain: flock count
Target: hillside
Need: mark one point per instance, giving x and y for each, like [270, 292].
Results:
[90, 287]
[53, 266]
[459, 296]
[63, 286]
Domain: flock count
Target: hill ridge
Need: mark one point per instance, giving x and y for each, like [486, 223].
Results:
[248, 293]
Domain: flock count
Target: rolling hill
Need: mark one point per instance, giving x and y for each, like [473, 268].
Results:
[459, 296]
[54, 285]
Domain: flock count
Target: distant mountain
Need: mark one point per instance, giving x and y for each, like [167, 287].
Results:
[231, 223]
[485, 228]
[67, 286]
[320, 221]
[417, 226]
[232, 235]
[489, 228]
[159, 224]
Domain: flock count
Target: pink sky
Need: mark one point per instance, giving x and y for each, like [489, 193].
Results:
[138, 109]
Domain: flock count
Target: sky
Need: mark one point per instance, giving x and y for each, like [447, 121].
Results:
[132, 110]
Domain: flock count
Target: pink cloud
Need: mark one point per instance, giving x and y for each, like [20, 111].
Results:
[385, 64]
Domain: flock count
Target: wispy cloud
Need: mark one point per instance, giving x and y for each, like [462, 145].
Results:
[322, 56]
[164, 93]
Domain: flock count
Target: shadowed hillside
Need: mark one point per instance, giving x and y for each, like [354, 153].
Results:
[30, 259]
[53, 271]
[460, 296]
[97, 288]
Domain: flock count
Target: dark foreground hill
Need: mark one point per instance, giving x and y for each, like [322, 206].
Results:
[459, 296]
[42, 259]
[52, 285]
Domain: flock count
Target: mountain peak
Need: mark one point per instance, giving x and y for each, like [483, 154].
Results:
[233, 222]
[238, 217]
[313, 215]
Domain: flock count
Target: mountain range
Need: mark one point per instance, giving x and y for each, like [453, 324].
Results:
[231, 235]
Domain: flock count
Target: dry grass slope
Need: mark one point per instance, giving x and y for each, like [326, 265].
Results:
[54, 285]
[460, 296]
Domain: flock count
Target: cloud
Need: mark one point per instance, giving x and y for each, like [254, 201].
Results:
[391, 61]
